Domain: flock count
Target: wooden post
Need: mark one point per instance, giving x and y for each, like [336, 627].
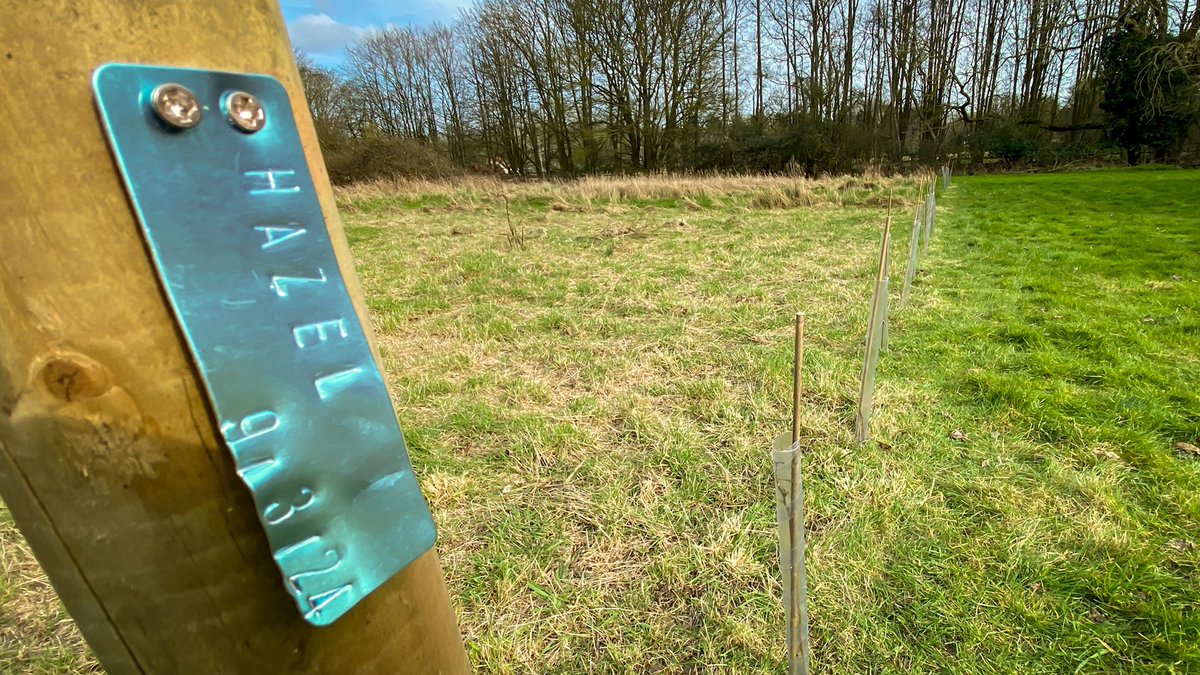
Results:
[110, 458]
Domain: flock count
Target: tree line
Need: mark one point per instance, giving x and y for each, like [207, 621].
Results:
[569, 87]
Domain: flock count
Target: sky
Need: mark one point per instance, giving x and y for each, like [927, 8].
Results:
[323, 28]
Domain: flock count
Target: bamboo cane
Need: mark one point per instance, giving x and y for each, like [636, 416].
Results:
[932, 214]
[797, 369]
[928, 224]
[913, 247]
[862, 420]
[886, 300]
[798, 612]
[789, 513]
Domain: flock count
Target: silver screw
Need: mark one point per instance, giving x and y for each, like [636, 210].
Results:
[176, 105]
[245, 112]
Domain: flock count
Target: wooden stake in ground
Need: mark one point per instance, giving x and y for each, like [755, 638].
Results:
[797, 370]
[866, 393]
[928, 224]
[110, 459]
[789, 515]
[886, 299]
[913, 247]
[932, 210]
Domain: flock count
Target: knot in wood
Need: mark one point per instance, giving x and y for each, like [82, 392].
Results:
[74, 377]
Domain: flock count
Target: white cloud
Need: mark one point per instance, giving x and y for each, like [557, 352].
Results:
[318, 33]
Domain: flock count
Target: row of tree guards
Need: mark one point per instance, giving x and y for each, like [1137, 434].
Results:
[787, 453]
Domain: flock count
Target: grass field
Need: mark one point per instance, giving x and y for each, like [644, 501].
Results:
[589, 376]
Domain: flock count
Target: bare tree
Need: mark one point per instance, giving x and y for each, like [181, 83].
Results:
[570, 86]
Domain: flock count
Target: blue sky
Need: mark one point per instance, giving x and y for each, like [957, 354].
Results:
[323, 28]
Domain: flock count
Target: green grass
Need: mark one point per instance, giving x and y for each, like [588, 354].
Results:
[591, 415]
[36, 634]
[1059, 330]
[593, 412]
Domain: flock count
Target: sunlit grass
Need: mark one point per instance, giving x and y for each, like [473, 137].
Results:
[590, 410]
[593, 413]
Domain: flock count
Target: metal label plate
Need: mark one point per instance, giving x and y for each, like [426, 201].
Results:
[242, 249]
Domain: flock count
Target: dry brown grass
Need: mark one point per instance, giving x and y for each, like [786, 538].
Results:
[689, 191]
[561, 392]
[564, 398]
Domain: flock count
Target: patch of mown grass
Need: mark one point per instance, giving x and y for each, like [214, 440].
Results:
[1057, 312]
[591, 416]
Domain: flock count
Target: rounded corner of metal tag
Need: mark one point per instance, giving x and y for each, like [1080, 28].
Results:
[241, 246]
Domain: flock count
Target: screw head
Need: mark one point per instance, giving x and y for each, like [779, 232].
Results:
[176, 105]
[245, 112]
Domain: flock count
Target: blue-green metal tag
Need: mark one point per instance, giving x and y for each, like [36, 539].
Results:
[241, 246]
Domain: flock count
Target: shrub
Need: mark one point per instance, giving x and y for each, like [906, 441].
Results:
[376, 157]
